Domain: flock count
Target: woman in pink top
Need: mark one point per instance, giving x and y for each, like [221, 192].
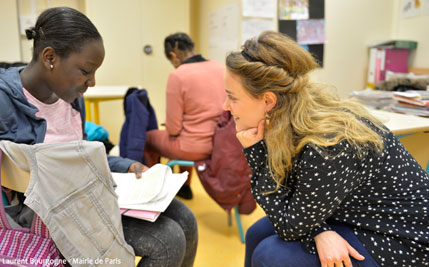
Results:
[195, 95]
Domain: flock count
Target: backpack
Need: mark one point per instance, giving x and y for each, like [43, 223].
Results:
[26, 246]
[226, 175]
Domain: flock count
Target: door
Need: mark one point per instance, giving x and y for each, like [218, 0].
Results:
[126, 27]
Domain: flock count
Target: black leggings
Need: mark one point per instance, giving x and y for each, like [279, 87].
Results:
[169, 241]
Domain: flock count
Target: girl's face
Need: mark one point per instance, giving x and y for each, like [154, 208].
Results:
[246, 109]
[72, 75]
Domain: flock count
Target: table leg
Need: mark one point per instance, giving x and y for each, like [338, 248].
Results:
[88, 110]
[96, 113]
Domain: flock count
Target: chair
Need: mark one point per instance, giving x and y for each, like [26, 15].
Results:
[187, 163]
[22, 243]
[18, 180]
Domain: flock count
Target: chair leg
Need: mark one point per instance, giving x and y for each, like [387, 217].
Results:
[229, 219]
[240, 227]
[427, 168]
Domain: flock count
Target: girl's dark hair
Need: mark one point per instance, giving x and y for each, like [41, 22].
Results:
[62, 28]
[179, 40]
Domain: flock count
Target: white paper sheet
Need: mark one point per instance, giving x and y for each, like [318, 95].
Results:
[224, 32]
[144, 193]
[259, 8]
[252, 27]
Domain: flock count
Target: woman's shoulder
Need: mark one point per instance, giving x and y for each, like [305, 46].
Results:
[311, 151]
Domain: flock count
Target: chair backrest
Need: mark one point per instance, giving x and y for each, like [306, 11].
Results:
[21, 243]
[12, 176]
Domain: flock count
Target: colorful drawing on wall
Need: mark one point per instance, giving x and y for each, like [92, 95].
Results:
[315, 44]
[410, 8]
[426, 7]
[310, 31]
[293, 9]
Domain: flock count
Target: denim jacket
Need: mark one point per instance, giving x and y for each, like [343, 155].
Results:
[72, 191]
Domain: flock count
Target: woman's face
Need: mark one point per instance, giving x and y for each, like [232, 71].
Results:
[246, 109]
[72, 75]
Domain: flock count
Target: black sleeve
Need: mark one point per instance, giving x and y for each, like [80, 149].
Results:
[317, 186]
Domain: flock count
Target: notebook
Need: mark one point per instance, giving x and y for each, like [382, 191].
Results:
[154, 191]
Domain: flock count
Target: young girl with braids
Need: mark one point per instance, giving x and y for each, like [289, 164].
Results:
[43, 103]
[337, 186]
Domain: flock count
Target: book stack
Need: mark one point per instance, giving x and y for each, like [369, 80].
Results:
[412, 102]
[390, 55]
[147, 197]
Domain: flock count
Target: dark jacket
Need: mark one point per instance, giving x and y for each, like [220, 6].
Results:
[226, 175]
[139, 118]
[18, 121]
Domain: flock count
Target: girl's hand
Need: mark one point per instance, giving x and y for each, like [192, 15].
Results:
[335, 251]
[251, 136]
[137, 168]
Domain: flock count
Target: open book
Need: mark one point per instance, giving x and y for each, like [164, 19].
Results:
[153, 192]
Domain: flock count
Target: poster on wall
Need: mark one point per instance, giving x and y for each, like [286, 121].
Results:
[410, 8]
[252, 27]
[306, 24]
[310, 31]
[426, 8]
[223, 31]
[293, 9]
[259, 8]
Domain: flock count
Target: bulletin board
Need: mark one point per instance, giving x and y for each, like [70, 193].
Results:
[304, 21]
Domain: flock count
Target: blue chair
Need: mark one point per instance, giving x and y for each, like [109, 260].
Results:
[427, 167]
[5, 202]
[188, 163]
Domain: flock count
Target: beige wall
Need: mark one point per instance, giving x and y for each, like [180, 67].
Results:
[34, 8]
[349, 28]
[126, 29]
[416, 29]
[9, 32]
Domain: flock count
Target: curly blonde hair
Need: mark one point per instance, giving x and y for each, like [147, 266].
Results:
[305, 112]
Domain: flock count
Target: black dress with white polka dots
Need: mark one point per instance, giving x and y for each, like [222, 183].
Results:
[383, 197]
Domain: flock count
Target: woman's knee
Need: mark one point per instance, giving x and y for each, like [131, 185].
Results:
[259, 230]
[273, 251]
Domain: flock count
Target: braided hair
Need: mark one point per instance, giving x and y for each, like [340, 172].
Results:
[62, 28]
[180, 41]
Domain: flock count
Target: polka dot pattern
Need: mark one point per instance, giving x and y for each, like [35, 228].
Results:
[384, 197]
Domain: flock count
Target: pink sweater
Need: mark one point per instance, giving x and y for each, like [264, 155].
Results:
[195, 96]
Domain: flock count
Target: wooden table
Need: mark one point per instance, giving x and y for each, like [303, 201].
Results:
[413, 131]
[94, 95]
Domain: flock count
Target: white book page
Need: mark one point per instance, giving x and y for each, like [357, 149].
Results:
[173, 182]
[135, 191]
[154, 191]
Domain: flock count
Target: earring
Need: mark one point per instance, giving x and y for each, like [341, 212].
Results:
[267, 119]
[52, 66]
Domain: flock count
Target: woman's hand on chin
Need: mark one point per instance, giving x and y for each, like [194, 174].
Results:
[251, 136]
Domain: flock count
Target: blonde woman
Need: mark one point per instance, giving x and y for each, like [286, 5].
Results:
[337, 187]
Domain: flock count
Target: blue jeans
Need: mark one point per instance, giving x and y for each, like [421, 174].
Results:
[265, 248]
